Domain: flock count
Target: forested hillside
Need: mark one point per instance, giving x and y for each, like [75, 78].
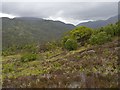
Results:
[27, 30]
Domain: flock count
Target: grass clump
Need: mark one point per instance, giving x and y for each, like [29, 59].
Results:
[28, 57]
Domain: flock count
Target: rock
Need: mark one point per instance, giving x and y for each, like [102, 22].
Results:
[91, 51]
[117, 48]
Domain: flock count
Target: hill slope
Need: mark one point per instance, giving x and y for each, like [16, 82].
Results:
[87, 67]
[27, 30]
[99, 23]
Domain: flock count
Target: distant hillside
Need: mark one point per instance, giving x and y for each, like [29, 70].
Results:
[99, 23]
[28, 29]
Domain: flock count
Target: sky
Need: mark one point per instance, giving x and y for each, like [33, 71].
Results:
[68, 12]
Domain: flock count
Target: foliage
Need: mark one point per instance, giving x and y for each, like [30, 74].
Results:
[105, 34]
[49, 46]
[71, 44]
[24, 31]
[64, 39]
[9, 51]
[28, 57]
[8, 68]
[100, 38]
[118, 28]
[81, 33]
[17, 49]
[111, 29]
[52, 45]
[40, 73]
[30, 48]
[91, 61]
[6, 53]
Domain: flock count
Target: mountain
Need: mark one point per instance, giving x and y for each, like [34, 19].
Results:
[99, 23]
[24, 30]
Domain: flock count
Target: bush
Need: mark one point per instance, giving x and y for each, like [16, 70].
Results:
[49, 46]
[30, 48]
[64, 39]
[111, 29]
[100, 38]
[28, 57]
[71, 44]
[8, 52]
[81, 34]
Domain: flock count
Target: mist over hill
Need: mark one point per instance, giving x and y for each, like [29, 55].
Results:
[99, 23]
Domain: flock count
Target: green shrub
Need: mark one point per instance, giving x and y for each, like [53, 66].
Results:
[100, 38]
[117, 28]
[30, 48]
[111, 29]
[71, 44]
[49, 46]
[28, 57]
[7, 52]
[64, 39]
[81, 34]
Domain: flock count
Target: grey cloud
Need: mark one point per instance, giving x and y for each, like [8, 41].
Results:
[75, 10]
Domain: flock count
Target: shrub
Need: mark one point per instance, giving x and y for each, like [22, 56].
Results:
[71, 44]
[49, 46]
[117, 28]
[64, 39]
[81, 34]
[7, 52]
[100, 38]
[30, 48]
[78, 35]
[28, 57]
[111, 29]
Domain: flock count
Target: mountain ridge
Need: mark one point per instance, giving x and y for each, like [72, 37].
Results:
[100, 23]
[29, 30]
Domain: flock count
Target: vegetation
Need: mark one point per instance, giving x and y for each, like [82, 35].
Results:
[111, 29]
[84, 58]
[71, 44]
[28, 57]
[81, 34]
[24, 31]
[100, 38]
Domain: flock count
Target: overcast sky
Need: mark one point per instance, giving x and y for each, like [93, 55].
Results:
[68, 12]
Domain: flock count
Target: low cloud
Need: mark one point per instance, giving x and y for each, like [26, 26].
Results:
[69, 12]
